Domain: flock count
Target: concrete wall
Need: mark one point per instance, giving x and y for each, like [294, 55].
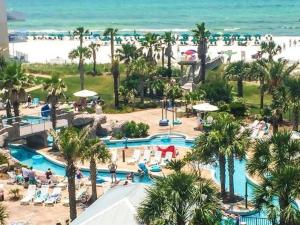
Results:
[4, 50]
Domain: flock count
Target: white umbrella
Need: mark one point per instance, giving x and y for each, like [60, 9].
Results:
[205, 107]
[85, 93]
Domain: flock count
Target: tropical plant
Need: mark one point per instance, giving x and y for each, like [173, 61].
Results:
[151, 44]
[115, 70]
[217, 91]
[94, 150]
[14, 194]
[127, 95]
[293, 92]
[132, 129]
[112, 32]
[127, 53]
[238, 107]
[172, 91]
[169, 40]
[69, 143]
[201, 34]
[238, 71]
[176, 165]
[81, 53]
[275, 161]
[270, 48]
[13, 82]
[56, 89]
[94, 47]
[3, 215]
[180, 199]
[80, 32]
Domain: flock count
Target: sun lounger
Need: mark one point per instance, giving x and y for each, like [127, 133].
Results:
[29, 195]
[157, 158]
[147, 155]
[12, 177]
[44, 192]
[54, 197]
[114, 156]
[135, 157]
[167, 159]
[81, 193]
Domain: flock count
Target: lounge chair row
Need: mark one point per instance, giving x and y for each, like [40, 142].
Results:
[146, 158]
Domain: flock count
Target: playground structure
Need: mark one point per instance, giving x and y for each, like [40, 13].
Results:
[167, 106]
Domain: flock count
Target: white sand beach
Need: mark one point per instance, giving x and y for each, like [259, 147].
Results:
[56, 51]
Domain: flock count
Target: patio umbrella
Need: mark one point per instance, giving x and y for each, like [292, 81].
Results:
[236, 35]
[84, 93]
[205, 107]
[190, 52]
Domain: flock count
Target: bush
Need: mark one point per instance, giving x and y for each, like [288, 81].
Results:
[216, 91]
[14, 194]
[238, 108]
[133, 130]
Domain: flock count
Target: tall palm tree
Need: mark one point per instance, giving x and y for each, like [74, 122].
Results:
[151, 43]
[3, 215]
[276, 162]
[270, 48]
[116, 74]
[94, 47]
[201, 35]
[56, 89]
[278, 72]
[81, 53]
[14, 81]
[180, 199]
[94, 150]
[69, 142]
[112, 32]
[169, 40]
[127, 53]
[80, 32]
[293, 87]
[237, 71]
[172, 91]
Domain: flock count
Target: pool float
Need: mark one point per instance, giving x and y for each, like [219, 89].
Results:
[155, 168]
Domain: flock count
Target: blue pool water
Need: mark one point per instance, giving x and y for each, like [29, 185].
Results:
[26, 156]
[33, 119]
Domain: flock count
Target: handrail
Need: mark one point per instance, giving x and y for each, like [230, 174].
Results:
[255, 221]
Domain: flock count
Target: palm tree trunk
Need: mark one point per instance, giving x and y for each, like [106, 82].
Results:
[71, 170]
[8, 112]
[163, 57]
[116, 90]
[93, 171]
[283, 204]
[112, 48]
[295, 118]
[240, 88]
[230, 174]
[81, 72]
[222, 163]
[202, 48]
[16, 106]
[169, 66]
[142, 84]
[262, 92]
[275, 124]
[95, 62]
[53, 115]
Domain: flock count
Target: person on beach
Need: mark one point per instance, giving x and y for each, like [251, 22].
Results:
[112, 167]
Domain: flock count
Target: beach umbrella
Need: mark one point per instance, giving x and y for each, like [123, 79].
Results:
[216, 35]
[127, 35]
[236, 35]
[226, 35]
[186, 36]
[190, 52]
[194, 40]
[105, 38]
[257, 35]
[205, 107]
[84, 93]
[242, 38]
[213, 39]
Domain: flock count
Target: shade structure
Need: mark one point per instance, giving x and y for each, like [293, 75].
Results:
[85, 93]
[205, 107]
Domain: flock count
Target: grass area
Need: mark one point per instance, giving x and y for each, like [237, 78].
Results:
[66, 69]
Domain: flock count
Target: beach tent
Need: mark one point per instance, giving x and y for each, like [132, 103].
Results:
[205, 107]
[117, 206]
[85, 93]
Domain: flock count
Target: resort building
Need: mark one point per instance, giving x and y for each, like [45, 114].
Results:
[4, 50]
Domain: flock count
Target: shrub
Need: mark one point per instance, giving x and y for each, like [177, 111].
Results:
[14, 194]
[238, 108]
[216, 91]
[133, 130]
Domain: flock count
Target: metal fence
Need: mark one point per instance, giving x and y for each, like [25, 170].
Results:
[255, 221]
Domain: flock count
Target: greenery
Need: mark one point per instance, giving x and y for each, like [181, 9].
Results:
[14, 194]
[217, 91]
[238, 107]
[133, 130]
[3, 214]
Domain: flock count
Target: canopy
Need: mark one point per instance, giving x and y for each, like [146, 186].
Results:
[205, 107]
[85, 93]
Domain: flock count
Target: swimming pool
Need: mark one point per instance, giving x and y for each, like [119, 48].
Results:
[33, 119]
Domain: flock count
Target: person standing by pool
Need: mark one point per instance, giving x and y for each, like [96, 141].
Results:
[29, 99]
[31, 176]
[112, 167]
[48, 175]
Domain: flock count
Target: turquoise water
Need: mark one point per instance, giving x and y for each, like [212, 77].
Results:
[269, 16]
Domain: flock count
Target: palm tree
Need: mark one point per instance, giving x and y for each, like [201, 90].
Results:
[237, 71]
[69, 142]
[180, 199]
[80, 32]
[173, 91]
[116, 74]
[278, 72]
[3, 215]
[127, 53]
[201, 35]
[151, 43]
[56, 89]
[270, 48]
[81, 53]
[293, 89]
[14, 81]
[94, 47]
[276, 162]
[112, 32]
[94, 150]
[169, 40]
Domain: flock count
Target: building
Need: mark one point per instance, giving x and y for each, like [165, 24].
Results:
[4, 48]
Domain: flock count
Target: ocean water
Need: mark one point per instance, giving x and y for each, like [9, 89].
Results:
[278, 17]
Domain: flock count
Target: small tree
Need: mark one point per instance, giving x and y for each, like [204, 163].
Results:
[94, 47]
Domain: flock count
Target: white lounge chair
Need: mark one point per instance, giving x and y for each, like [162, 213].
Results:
[81, 193]
[167, 158]
[146, 156]
[135, 157]
[54, 197]
[29, 195]
[43, 195]
[114, 156]
[253, 125]
[157, 158]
